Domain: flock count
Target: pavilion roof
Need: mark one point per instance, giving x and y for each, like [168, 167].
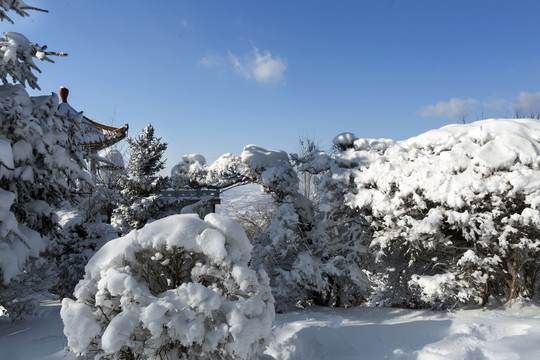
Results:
[95, 136]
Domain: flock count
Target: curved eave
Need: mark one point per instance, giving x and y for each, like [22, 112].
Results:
[111, 135]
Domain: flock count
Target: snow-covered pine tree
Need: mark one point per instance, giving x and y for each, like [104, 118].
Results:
[42, 169]
[47, 168]
[111, 169]
[142, 183]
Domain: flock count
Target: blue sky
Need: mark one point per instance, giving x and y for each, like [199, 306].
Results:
[213, 76]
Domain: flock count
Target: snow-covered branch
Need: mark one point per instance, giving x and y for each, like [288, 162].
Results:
[17, 56]
[18, 6]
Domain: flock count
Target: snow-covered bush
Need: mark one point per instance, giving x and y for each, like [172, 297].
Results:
[17, 245]
[340, 231]
[178, 288]
[452, 215]
[302, 267]
[18, 297]
[79, 238]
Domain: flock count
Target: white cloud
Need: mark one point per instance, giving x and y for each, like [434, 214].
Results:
[241, 68]
[496, 104]
[268, 69]
[527, 104]
[263, 68]
[212, 61]
[454, 108]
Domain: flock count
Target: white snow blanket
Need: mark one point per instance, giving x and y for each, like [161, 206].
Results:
[508, 333]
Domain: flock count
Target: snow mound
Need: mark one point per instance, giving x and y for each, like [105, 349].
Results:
[260, 158]
[113, 156]
[188, 164]
[180, 285]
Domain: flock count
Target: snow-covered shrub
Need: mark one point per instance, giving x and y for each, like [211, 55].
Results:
[453, 214]
[18, 297]
[306, 266]
[141, 185]
[18, 243]
[79, 238]
[340, 231]
[179, 288]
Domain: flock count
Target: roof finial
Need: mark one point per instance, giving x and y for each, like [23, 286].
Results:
[64, 92]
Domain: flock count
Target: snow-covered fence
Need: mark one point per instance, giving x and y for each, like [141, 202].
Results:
[191, 200]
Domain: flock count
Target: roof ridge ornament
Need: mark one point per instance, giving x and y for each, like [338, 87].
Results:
[64, 92]
[98, 136]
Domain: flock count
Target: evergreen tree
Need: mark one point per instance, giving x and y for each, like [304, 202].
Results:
[142, 184]
[39, 170]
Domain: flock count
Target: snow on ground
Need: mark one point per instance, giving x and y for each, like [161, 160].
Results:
[40, 338]
[387, 333]
[340, 334]
[241, 199]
